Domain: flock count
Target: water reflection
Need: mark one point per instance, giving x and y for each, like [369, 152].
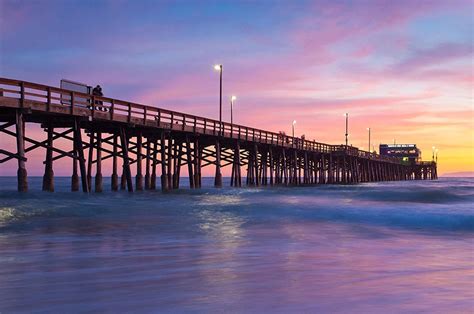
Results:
[282, 250]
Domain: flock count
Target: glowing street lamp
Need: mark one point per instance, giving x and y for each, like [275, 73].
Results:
[218, 67]
[368, 129]
[232, 99]
[433, 155]
[293, 131]
[347, 126]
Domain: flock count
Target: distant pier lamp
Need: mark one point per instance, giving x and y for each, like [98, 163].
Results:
[218, 67]
[347, 127]
[293, 130]
[436, 156]
[433, 149]
[368, 129]
[232, 99]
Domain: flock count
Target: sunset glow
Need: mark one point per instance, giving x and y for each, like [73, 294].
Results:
[404, 68]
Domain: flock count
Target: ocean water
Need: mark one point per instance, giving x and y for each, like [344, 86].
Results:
[369, 248]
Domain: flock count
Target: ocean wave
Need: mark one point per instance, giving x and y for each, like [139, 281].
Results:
[417, 196]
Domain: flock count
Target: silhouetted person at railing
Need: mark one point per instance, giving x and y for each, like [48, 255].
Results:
[97, 91]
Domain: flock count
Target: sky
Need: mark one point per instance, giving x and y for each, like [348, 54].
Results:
[403, 68]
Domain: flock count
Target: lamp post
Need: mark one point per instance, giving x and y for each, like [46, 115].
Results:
[433, 155]
[293, 131]
[368, 129]
[436, 158]
[347, 126]
[232, 99]
[218, 67]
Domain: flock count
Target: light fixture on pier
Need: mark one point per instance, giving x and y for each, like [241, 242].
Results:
[218, 67]
[347, 127]
[232, 99]
[368, 129]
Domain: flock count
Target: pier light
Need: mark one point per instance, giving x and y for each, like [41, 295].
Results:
[232, 99]
[293, 131]
[218, 67]
[433, 155]
[368, 129]
[347, 127]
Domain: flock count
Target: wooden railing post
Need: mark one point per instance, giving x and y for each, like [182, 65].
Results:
[129, 118]
[22, 94]
[72, 103]
[48, 106]
[144, 115]
[92, 106]
[112, 109]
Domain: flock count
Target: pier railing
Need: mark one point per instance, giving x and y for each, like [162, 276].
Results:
[38, 97]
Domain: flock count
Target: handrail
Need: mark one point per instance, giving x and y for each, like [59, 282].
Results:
[48, 95]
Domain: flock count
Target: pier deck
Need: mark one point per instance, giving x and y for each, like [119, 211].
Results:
[163, 141]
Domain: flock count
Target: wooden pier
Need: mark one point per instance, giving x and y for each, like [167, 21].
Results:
[162, 142]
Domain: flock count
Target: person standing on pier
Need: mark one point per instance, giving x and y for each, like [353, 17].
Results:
[97, 91]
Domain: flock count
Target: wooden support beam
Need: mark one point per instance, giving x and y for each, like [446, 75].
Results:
[218, 176]
[270, 156]
[139, 177]
[80, 155]
[74, 176]
[169, 170]
[238, 165]
[114, 177]
[98, 174]
[285, 167]
[126, 162]
[295, 168]
[20, 145]
[11, 155]
[155, 162]
[89, 160]
[189, 163]
[256, 177]
[164, 177]
[32, 147]
[197, 163]
[147, 165]
[48, 177]
[178, 160]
